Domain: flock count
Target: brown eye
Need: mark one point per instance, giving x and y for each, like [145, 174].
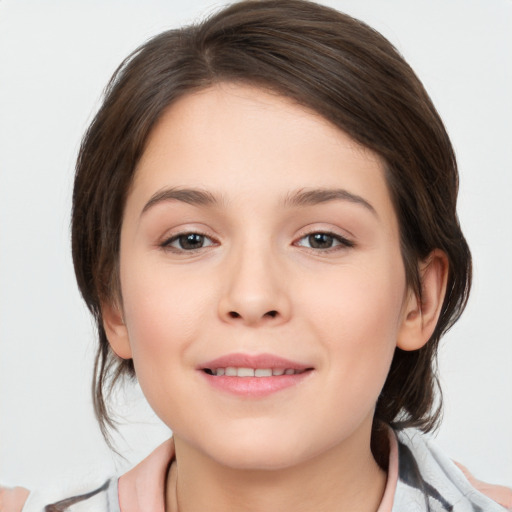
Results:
[320, 241]
[188, 242]
[324, 241]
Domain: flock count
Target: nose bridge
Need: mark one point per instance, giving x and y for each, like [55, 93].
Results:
[255, 291]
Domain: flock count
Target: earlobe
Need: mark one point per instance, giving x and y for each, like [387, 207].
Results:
[115, 329]
[420, 316]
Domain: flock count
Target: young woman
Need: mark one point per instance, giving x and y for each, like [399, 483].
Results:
[265, 230]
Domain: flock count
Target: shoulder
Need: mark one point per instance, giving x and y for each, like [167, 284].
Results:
[12, 499]
[140, 489]
[429, 480]
[100, 498]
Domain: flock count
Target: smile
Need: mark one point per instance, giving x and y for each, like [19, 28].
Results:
[232, 371]
[254, 376]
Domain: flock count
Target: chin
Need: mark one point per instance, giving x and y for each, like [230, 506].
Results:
[258, 452]
[258, 460]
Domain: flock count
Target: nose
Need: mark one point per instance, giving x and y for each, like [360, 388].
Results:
[255, 291]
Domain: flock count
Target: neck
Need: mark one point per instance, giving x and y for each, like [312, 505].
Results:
[345, 478]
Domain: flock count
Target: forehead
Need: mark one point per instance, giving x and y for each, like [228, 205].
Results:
[240, 141]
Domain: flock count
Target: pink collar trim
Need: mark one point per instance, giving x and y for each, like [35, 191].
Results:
[143, 487]
[386, 505]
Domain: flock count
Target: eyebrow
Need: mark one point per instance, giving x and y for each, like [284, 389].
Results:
[300, 198]
[185, 195]
[306, 197]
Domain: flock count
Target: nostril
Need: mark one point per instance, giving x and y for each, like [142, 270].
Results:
[271, 314]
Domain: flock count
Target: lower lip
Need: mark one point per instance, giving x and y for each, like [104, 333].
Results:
[255, 387]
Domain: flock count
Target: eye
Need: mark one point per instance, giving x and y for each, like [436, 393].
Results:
[324, 241]
[188, 242]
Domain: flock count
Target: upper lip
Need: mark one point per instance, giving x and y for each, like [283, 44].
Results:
[253, 361]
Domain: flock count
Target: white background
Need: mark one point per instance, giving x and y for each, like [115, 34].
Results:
[56, 57]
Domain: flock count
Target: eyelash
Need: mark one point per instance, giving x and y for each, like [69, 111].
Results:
[167, 244]
[342, 242]
[339, 242]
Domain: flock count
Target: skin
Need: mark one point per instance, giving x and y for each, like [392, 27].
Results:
[259, 284]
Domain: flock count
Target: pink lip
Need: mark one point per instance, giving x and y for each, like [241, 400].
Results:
[254, 387]
[250, 361]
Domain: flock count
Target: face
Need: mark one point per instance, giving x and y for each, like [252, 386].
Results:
[263, 289]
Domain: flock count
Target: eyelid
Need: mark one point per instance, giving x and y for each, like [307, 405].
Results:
[344, 242]
[164, 243]
[168, 238]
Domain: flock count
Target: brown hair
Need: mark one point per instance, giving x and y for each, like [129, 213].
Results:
[328, 62]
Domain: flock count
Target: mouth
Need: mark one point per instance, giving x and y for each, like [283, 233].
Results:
[254, 376]
[247, 365]
[233, 371]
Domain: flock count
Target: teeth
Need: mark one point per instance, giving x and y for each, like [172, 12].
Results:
[232, 371]
[263, 372]
[245, 372]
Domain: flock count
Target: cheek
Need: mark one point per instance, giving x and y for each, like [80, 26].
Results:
[162, 314]
[162, 319]
[357, 299]
[357, 312]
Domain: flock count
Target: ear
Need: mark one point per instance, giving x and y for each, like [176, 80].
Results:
[420, 317]
[115, 329]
